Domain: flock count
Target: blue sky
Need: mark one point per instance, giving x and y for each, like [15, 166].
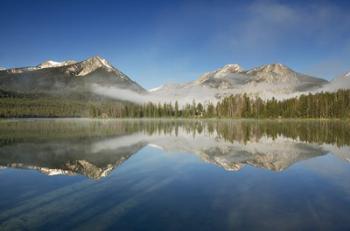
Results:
[156, 42]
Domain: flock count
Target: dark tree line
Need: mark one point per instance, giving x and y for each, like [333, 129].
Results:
[320, 105]
[315, 131]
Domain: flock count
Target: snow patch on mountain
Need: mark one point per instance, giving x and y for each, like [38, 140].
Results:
[51, 63]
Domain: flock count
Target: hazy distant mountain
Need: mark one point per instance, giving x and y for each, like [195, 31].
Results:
[278, 73]
[58, 77]
[342, 82]
[232, 76]
[267, 81]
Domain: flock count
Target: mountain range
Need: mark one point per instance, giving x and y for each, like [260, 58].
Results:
[266, 81]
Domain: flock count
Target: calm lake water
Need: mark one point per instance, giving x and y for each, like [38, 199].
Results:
[174, 175]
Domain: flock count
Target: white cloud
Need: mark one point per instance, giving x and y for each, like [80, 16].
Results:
[121, 94]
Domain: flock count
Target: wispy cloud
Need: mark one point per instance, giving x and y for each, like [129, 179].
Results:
[304, 35]
[271, 23]
[121, 94]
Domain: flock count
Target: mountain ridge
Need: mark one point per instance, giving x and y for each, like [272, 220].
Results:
[56, 77]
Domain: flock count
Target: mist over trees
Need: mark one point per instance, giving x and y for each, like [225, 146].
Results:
[320, 105]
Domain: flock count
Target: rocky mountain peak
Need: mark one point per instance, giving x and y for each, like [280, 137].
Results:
[275, 68]
[219, 73]
[231, 68]
[93, 63]
[99, 61]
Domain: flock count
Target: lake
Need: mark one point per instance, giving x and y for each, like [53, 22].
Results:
[81, 174]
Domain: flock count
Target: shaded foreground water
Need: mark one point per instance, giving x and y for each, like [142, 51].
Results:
[174, 175]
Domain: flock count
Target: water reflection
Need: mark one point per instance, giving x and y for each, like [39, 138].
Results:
[94, 148]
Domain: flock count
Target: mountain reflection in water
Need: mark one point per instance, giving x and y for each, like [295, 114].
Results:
[94, 148]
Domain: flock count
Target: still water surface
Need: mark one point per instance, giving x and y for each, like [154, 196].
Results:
[174, 175]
